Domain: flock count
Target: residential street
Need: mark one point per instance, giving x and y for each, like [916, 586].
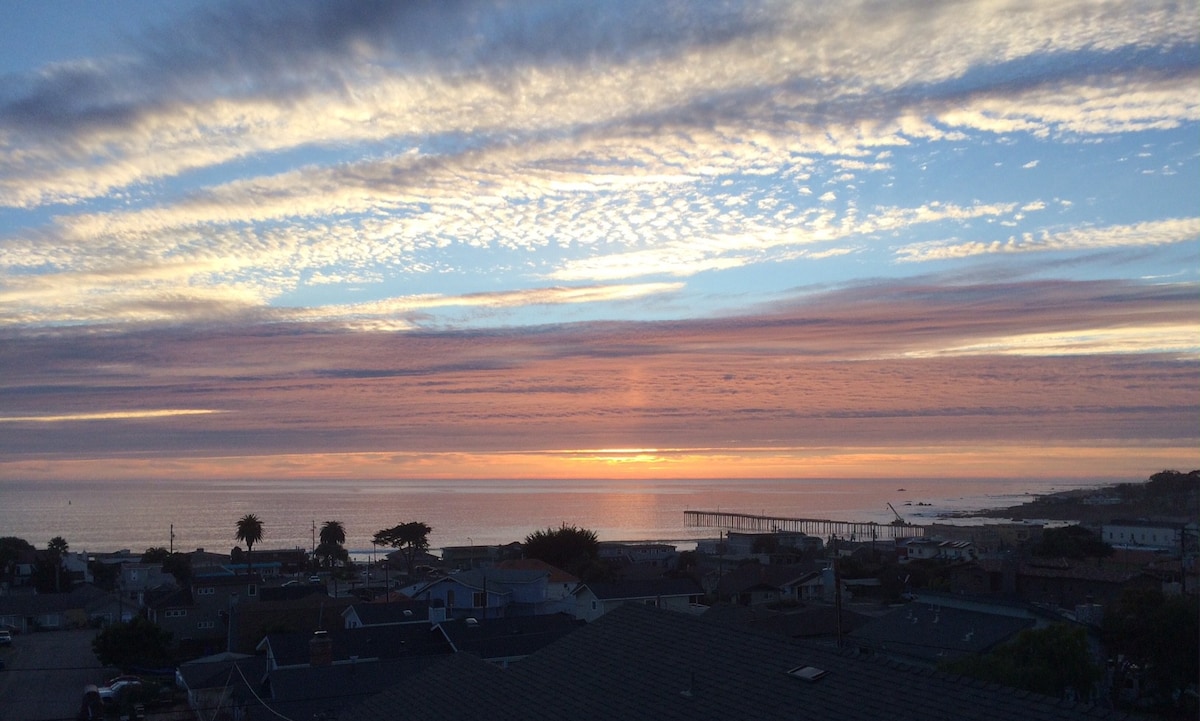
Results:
[45, 674]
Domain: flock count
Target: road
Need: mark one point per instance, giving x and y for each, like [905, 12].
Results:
[45, 675]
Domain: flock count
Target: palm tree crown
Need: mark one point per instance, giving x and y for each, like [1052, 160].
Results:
[249, 530]
[333, 533]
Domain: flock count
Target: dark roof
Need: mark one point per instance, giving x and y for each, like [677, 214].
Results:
[391, 612]
[643, 588]
[758, 576]
[323, 692]
[639, 662]
[932, 633]
[307, 614]
[81, 596]
[506, 638]
[375, 642]
[557, 575]
[219, 671]
[497, 579]
[807, 622]
[291, 593]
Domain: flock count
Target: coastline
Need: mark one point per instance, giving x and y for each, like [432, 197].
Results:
[1169, 495]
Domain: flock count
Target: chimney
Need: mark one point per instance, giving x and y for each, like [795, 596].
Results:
[320, 649]
[437, 612]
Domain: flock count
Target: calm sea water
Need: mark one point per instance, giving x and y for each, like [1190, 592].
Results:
[110, 516]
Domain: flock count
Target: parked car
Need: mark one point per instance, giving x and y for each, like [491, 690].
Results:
[5, 637]
[114, 693]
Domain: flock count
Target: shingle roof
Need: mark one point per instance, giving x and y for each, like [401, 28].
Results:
[375, 642]
[643, 588]
[557, 575]
[502, 638]
[30, 604]
[378, 614]
[935, 633]
[773, 576]
[638, 662]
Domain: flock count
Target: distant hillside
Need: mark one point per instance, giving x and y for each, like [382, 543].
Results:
[1167, 495]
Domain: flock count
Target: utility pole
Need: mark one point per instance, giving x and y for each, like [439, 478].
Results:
[172, 538]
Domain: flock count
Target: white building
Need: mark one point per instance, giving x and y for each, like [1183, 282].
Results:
[1150, 535]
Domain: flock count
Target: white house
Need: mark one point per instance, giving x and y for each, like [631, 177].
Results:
[488, 593]
[593, 600]
[1143, 534]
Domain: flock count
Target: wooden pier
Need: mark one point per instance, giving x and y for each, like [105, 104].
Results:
[849, 530]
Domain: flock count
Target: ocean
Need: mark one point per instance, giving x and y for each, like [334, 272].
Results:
[109, 516]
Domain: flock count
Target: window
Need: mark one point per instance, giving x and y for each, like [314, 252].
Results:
[205, 591]
[479, 599]
[206, 624]
[450, 598]
[252, 591]
[176, 613]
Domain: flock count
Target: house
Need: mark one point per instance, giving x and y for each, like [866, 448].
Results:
[1055, 582]
[242, 687]
[340, 646]
[655, 557]
[199, 616]
[989, 538]
[559, 583]
[810, 621]
[491, 593]
[219, 681]
[913, 549]
[467, 557]
[395, 613]
[253, 621]
[505, 640]
[1153, 535]
[137, 578]
[284, 561]
[1067, 584]
[83, 605]
[593, 600]
[755, 583]
[928, 634]
[641, 664]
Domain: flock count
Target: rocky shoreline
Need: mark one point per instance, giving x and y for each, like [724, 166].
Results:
[1168, 496]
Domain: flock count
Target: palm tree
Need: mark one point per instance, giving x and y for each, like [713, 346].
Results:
[333, 535]
[249, 531]
[58, 547]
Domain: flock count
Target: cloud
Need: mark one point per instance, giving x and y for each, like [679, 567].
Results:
[1150, 233]
[1030, 164]
[235, 83]
[107, 416]
[878, 364]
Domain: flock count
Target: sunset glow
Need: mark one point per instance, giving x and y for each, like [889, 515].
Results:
[563, 240]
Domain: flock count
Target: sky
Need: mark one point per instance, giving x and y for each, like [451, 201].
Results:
[608, 240]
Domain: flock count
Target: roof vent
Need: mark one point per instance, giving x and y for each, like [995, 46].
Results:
[807, 673]
[407, 613]
[472, 622]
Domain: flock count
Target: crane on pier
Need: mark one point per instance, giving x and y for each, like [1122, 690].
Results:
[899, 519]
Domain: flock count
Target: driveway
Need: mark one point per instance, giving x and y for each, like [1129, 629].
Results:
[45, 675]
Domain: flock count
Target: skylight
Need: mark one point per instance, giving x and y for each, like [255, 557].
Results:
[807, 673]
